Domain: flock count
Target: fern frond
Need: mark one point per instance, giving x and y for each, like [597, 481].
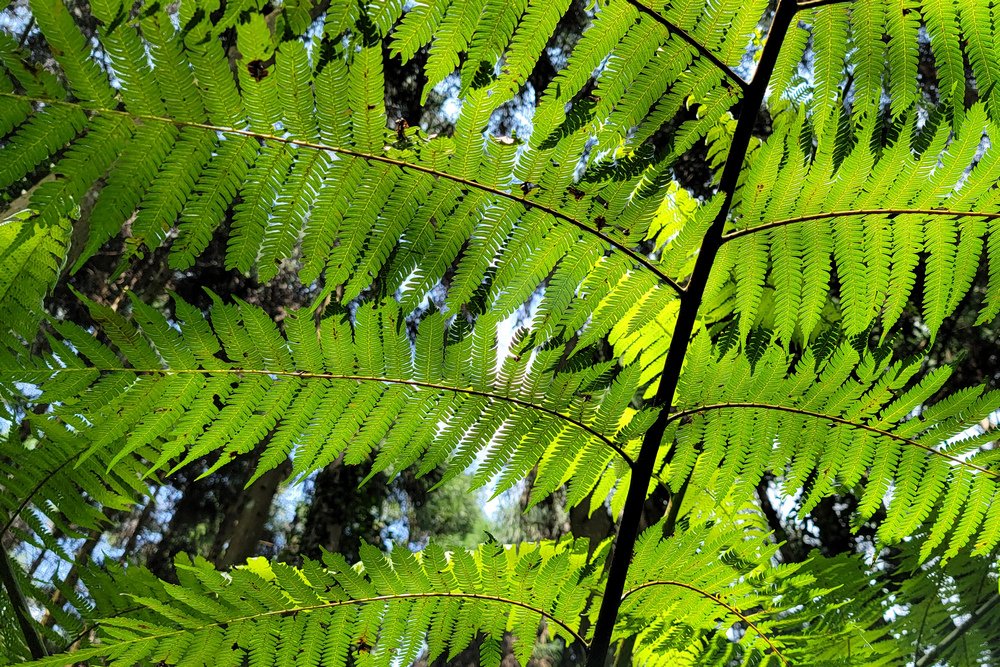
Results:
[532, 34]
[360, 399]
[419, 24]
[706, 587]
[166, 196]
[193, 151]
[28, 272]
[171, 68]
[829, 35]
[44, 483]
[39, 137]
[492, 34]
[880, 224]
[791, 414]
[381, 610]
[72, 51]
[213, 75]
[295, 91]
[366, 97]
[250, 216]
[212, 195]
[902, 25]
[259, 91]
[140, 91]
[450, 39]
[869, 57]
[941, 18]
[979, 26]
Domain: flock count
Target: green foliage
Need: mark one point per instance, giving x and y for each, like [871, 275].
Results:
[28, 270]
[831, 419]
[231, 381]
[908, 203]
[682, 336]
[330, 612]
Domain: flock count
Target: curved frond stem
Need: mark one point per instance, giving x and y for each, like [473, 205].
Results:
[702, 50]
[93, 625]
[611, 444]
[680, 414]
[893, 212]
[31, 494]
[402, 164]
[370, 600]
[803, 6]
[714, 598]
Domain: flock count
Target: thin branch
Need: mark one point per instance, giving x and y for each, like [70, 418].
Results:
[27, 31]
[402, 164]
[803, 6]
[19, 606]
[837, 420]
[714, 598]
[774, 522]
[920, 630]
[358, 378]
[702, 50]
[31, 494]
[931, 657]
[93, 625]
[892, 212]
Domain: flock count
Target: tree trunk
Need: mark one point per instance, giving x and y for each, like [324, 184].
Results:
[250, 524]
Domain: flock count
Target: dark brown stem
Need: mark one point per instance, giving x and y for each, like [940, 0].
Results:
[820, 3]
[27, 31]
[642, 473]
[19, 606]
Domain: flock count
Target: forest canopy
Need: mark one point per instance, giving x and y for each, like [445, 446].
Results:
[495, 332]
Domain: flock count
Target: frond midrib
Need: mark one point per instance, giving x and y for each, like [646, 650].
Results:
[829, 215]
[680, 414]
[419, 384]
[714, 598]
[402, 164]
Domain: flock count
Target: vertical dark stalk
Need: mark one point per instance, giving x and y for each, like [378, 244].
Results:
[19, 607]
[628, 529]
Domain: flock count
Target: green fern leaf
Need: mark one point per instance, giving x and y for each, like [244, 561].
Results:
[28, 272]
[73, 53]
